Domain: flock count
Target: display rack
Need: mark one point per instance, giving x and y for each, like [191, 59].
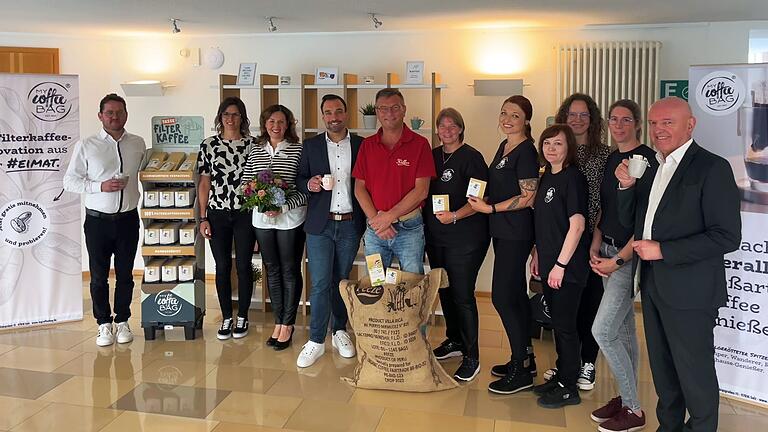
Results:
[166, 304]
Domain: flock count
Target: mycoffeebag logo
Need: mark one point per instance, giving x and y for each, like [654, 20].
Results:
[168, 304]
[49, 101]
[720, 93]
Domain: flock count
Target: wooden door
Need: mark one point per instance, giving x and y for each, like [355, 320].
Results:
[29, 60]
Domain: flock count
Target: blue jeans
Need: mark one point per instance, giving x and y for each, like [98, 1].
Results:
[614, 329]
[407, 245]
[331, 256]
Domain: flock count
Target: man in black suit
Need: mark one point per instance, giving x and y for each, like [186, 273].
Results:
[686, 216]
[334, 225]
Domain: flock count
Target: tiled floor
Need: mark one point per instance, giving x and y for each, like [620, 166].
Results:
[54, 377]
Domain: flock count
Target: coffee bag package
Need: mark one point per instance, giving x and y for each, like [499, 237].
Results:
[392, 353]
[152, 234]
[183, 197]
[156, 161]
[174, 160]
[476, 188]
[167, 197]
[394, 276]
[375, 269]
[440, 203]
[190, 163]
[169, 233]
[151, 198]
[187, 234]
[187, 270]
[152, 270]
[170, 270]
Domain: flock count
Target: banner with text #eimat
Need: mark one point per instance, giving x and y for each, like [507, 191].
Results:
[40, 252]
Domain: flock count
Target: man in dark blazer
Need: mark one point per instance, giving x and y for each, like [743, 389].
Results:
[686, 216]
[334, 225]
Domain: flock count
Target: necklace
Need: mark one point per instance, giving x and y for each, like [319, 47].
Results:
[450, 155]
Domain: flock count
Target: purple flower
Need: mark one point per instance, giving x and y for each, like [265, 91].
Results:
[265, 176]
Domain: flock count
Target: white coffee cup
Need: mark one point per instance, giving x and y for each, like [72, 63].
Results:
[327, 182]
[637, 165]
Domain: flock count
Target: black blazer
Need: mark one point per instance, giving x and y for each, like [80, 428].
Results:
[314, 161]
[698, 221]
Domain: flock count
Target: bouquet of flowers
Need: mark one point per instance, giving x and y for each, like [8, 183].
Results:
[264, 193]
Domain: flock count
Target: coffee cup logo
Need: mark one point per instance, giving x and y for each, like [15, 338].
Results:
[168, 303]
[49, 101]
[720, 93]
[23, 223]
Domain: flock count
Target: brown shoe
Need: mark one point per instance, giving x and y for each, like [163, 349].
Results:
[625, 421]
[607, 411]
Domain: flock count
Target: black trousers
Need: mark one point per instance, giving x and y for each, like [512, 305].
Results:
[590, 302]
[682, 357]
[104, 238]
[509, 293]
[227, 225]
[458, 299]
[564, 306]
[282, 251]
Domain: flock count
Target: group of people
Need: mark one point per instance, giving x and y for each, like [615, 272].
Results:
[563, 207]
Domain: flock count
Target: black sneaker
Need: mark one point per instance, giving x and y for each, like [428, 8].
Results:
[448, 349]
[468, 370]
[241, 328]
[559, 397]
[548, 386]
[517, 379]
[586, 379]
[529, 364]
[225, 331]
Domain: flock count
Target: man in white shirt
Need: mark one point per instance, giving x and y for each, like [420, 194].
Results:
[686, 216]
[105, 168]
[334, 225]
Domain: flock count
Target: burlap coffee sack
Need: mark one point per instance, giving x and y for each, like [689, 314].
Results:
[392, 353]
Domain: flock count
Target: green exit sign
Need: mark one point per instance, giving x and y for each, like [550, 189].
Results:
[677, 88]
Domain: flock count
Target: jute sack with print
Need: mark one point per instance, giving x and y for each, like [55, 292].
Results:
[392, 354]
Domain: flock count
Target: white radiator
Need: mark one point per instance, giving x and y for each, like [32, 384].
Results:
[609, 71]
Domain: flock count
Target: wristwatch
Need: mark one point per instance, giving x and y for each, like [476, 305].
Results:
[619, 261]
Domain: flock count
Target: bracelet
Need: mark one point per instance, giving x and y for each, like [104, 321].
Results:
[493, 208]
[454, 218]
[561, 265]
[202, 219]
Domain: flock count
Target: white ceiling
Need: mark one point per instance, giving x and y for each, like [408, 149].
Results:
[205, 17]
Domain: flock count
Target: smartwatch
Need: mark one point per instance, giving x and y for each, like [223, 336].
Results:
[619, 261]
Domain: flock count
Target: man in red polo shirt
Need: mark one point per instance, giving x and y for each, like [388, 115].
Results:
[392, 176]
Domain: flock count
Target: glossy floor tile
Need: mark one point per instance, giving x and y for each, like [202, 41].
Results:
[56, 377]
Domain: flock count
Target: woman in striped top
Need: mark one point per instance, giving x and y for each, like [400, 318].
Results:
[280, 234]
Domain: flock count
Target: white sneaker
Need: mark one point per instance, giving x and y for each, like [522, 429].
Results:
[105, 336]
[343, 344]
[309, 354]
[124, 333]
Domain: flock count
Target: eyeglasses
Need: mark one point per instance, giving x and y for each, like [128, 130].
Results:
[625, 121]
[389, 109]
[113, 113]
[228, 114]
[576, 115]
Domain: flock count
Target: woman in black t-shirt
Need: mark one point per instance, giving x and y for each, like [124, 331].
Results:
[513, 177]
[561, 257]
[610, 257]
[221, 162]
[457, 240]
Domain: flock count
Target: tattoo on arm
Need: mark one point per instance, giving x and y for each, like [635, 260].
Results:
[527, 190]
[529, 185]
[514, 203]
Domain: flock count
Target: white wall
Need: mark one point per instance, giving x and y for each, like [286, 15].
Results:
[459, 56]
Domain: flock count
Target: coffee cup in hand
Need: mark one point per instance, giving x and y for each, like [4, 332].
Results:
[637, 165]
[327, 182]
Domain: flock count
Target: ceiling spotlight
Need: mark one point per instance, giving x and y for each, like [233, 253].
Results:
[376, 22]
[271, 27]
[175, 26]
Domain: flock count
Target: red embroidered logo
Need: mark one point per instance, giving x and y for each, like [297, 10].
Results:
[403, 162]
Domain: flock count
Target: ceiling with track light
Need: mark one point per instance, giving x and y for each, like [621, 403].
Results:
[205, 17]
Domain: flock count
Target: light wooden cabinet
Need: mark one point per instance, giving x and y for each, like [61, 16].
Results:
[29, 60]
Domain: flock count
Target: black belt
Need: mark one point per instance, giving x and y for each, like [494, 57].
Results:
[110, 216]
[340, 216]
[613, 242]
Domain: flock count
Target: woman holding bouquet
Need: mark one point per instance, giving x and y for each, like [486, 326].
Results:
[221, 162]
[280, 210]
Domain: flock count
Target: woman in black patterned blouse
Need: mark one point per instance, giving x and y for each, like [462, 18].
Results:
[221, 162]
[280, 233]
[581, 113]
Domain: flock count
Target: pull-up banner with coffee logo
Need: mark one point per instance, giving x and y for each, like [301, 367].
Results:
[40, 252]
[731, 108]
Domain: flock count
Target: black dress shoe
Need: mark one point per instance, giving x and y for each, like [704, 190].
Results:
[271, 341]
[279, 346]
